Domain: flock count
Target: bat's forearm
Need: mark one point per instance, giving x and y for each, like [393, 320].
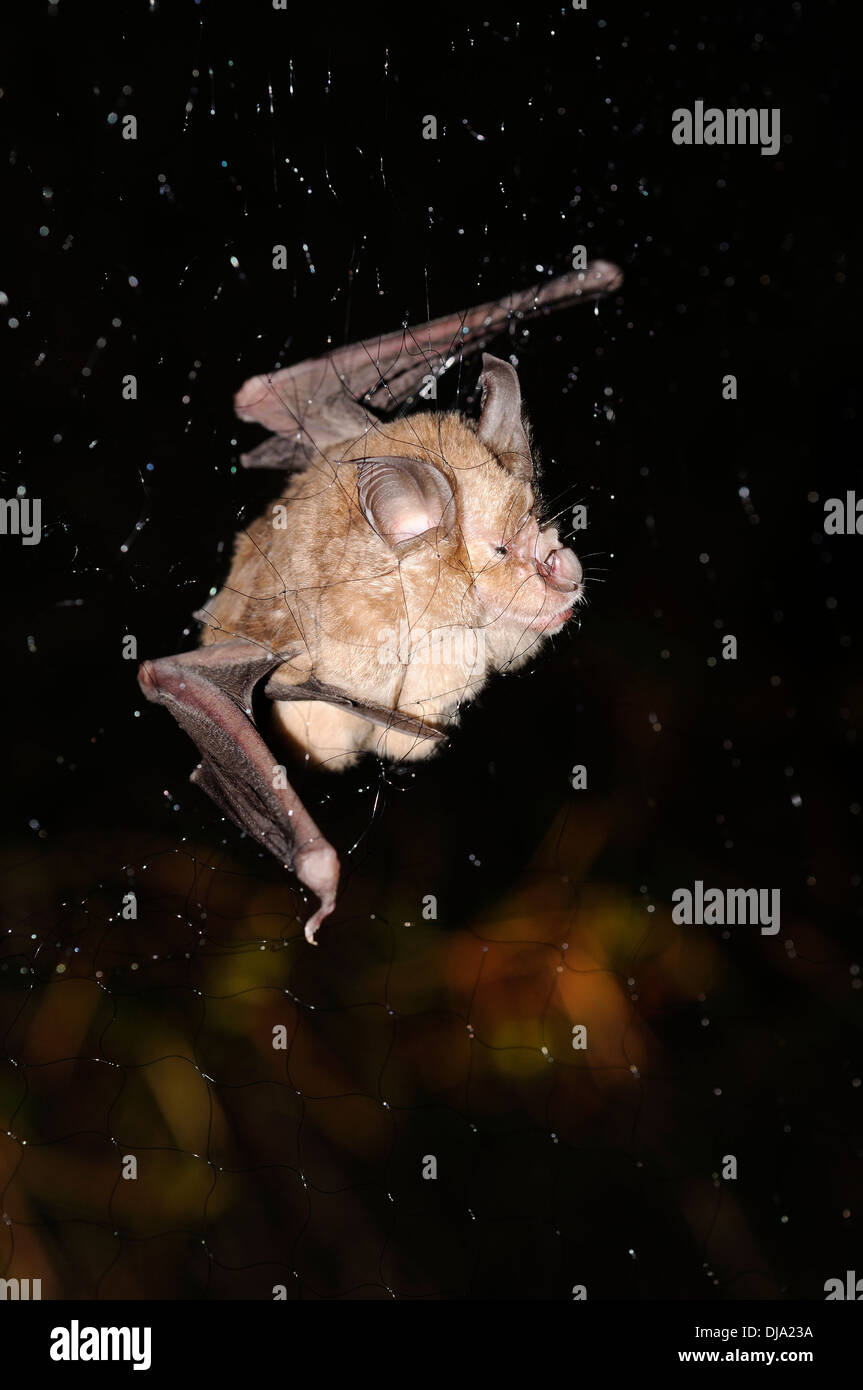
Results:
[278, 687]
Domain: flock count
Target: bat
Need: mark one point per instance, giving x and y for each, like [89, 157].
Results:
[406, 562]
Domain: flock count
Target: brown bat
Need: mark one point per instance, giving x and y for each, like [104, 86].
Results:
[403, 566]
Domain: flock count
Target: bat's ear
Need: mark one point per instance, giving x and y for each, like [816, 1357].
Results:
[404, 498]
[500, 424]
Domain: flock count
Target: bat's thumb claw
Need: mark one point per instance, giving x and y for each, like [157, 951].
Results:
[316, 919]
[318, 869]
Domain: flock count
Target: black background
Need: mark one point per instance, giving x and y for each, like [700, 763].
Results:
[733, 262]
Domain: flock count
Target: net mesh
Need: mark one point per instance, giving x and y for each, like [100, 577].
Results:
[427, 1124]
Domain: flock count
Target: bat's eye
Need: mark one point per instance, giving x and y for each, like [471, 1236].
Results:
[500, 549]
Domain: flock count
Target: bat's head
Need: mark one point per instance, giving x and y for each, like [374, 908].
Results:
[458, 507]
[528, 582]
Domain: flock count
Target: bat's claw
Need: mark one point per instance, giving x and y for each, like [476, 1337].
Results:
[318, 869]
[315, 921]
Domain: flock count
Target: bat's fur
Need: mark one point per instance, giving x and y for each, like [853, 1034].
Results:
[420, 631]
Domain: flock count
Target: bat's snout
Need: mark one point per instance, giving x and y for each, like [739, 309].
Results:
[559, 566]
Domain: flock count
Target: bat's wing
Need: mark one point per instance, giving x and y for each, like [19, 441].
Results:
[210, 693]
[318, 404]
